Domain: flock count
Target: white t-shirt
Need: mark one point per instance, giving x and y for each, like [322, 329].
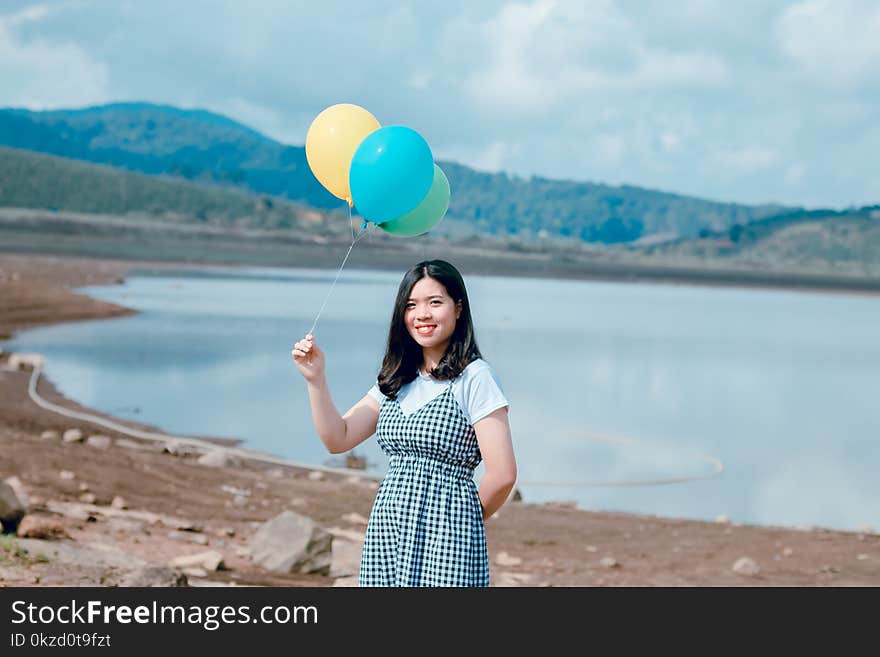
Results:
[477, 391]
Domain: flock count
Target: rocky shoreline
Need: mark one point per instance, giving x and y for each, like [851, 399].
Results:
[99, 508]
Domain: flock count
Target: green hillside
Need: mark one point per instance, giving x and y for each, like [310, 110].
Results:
[207, 147]
[35, 180]
[846, 242]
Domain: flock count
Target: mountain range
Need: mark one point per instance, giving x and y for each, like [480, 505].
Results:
[205, 147]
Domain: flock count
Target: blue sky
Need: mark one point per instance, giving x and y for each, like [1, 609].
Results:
[739, 101]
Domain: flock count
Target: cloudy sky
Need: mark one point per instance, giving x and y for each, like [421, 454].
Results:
[751, 101]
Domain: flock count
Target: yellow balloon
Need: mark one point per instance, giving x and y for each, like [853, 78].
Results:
[331, 142]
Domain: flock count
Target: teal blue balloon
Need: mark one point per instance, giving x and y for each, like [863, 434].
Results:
[426, 214]
[390, 173]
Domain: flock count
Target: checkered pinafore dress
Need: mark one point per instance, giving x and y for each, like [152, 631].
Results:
[426, 527]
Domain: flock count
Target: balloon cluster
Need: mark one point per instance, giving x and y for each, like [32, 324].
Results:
[387, 173]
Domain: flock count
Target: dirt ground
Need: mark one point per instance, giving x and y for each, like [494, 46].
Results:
[194, 511]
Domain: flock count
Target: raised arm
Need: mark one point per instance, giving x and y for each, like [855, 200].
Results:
[338, 433]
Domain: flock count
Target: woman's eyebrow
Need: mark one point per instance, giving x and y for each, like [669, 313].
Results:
[433, 296]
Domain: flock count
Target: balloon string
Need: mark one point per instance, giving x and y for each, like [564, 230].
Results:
[353, 242]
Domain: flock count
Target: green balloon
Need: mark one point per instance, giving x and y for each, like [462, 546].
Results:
[426, 214]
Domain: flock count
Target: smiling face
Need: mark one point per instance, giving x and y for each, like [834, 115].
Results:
[430, 314]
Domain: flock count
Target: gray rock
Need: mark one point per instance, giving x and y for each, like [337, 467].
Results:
[25, 362]
[72, 436]
[316, 475]
[504, 559]
[346, 581]
[19, 490]
[348, 534]
[198, 539]
[99, 441]
[510, 579]
[83, 553]
[609, 562]
[154, 576]
[119, 502]
[50, 435]
[180, 448]
[746, 566]
[183, 525]
[219, 458]
[292, 543]
[34, 526]
[66, 474]
[356, 518]
[233, 490]
[73, 510]
[11, 508]
[210, 560]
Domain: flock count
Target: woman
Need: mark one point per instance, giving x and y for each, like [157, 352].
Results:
[438, 411]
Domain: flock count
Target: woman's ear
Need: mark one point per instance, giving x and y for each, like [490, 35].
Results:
[458, 309]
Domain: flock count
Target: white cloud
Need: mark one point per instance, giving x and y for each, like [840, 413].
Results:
[508, 81]
[493, 157]
[547, 54]
[26, 15]
[749, 159]
[833, 42]
[748, 101]
[38, 73]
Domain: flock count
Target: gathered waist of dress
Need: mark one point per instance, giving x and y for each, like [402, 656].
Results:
[397, 461]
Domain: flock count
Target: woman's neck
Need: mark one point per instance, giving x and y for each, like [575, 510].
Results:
[431, 357]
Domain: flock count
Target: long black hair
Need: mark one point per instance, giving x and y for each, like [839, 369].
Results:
[403, 355]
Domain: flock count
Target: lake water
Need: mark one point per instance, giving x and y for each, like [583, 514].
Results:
[609, 383]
